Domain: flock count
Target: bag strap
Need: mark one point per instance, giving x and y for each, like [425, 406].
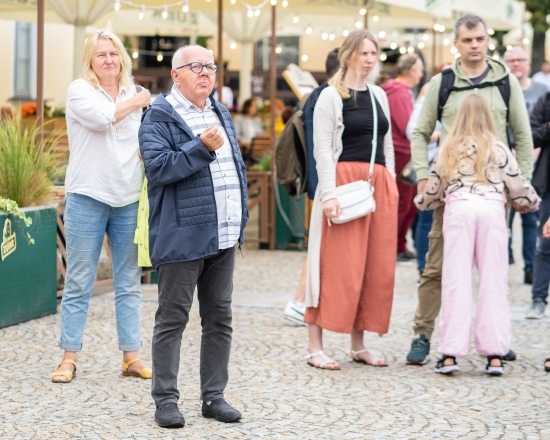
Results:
[374, 132]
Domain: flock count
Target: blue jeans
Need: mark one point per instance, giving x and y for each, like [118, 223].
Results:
[541, 266]
[529, 229]
[421, 241]
[86, 222]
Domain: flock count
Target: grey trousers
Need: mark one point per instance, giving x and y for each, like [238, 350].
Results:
[213, 277]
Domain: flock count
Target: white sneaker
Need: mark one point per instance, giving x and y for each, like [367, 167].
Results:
[294, 311]
[536, 311]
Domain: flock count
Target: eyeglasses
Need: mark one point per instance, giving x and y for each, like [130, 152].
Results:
[197, 67]
[516, 60]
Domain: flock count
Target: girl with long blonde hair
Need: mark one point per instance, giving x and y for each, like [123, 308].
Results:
[473, 175]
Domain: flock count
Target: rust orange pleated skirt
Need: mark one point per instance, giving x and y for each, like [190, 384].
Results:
[357, 262]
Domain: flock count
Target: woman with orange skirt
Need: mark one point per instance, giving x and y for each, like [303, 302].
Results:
[351, 266]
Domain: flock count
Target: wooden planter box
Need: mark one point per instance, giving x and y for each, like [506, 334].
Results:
[28, 276]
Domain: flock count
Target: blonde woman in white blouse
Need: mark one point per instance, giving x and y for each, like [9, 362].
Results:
[103, 183]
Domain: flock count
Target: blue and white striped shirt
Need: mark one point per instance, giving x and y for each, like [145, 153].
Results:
[227, 186]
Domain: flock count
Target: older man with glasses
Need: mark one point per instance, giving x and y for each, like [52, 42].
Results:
[198, 210]
[519, 64]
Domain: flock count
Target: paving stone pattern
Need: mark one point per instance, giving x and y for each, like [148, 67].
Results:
[280, 396]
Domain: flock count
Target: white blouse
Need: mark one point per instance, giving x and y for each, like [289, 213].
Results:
[104, 163]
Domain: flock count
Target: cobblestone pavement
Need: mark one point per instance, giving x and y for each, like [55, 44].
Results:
[278, 394]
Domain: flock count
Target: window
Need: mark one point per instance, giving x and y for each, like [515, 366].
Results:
[287, 51]
[25, 61]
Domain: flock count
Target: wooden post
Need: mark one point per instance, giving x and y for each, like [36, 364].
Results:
[40, 69]
[272, 97]
[221, 72]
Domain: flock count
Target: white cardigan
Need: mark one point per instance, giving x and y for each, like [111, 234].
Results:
[328, 126]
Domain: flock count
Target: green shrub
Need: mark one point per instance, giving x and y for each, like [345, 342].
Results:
[28, 166]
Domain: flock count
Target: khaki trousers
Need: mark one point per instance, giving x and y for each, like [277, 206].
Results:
[429, 290]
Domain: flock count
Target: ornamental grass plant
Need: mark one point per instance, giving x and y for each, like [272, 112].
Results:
[28, 165]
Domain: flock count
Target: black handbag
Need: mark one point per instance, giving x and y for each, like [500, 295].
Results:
[541, 174]
[408, 175]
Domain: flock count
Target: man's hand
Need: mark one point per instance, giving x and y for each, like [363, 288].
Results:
[421, 185]
[546, 229]
[519, 208]
[212, 138]
[142, 98]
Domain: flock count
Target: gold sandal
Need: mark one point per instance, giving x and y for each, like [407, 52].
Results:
[69, 375]
[145, 373]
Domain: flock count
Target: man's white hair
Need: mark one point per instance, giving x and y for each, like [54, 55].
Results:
[178, 59]
[514, 49]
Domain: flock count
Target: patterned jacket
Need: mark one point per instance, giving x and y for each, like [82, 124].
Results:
[503, 176]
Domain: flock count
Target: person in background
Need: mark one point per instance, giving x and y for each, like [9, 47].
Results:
[248, 125]
[472, 175]
[544, 75]
[410, 71]
[473, 67]
[103, 184]
[519, 64]
[424, 218]
[351, 266]
[546, 236]
[296, 308]
[540, 125]
[227, 96]
[198, 211]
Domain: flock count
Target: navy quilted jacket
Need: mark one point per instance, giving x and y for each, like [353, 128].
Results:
[183, 223]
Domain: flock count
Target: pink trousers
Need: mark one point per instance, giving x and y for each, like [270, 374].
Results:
[474, 231]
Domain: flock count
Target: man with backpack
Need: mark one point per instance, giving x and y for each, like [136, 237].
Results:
[305, 169]
[473, 72]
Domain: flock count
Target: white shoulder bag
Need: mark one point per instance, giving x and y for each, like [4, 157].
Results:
[356, 199]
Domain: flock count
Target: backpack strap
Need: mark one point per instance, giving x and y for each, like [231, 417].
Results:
[447, 87]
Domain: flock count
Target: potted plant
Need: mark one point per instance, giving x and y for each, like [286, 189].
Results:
[28, 221]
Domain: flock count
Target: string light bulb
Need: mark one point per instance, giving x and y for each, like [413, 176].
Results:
[117, 5]
[273, 2]
[331, 36]
[309, 29]
[250, 12]
[376, 18]
[363, 11]
[233, 46]
[296, 19]
[345, 32]
[185, 7]
[135, 54]
[257, 12]
[284, 4]
[164, 14]
[324, 36]
[383, 57]
[305, 58]
[141, 12]
[393, 46]
[358, 24]
[381, 34]
[159, 57]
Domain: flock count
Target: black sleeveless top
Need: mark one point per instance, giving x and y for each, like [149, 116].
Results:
[358, 124]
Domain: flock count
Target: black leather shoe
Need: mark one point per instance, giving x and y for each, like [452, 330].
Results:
[528, 277]
[169, 416]
[220, 410]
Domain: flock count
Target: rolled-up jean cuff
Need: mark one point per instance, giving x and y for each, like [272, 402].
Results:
[129, 346]
[73, 348]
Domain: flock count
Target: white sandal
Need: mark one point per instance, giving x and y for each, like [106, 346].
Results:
[323, 365]
[375, 362]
